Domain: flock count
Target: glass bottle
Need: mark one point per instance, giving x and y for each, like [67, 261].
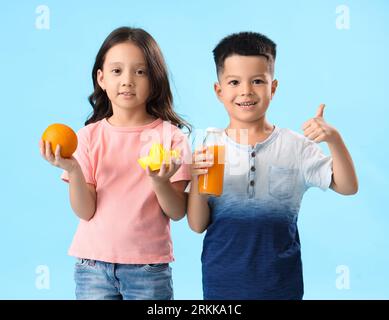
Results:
[212, 182]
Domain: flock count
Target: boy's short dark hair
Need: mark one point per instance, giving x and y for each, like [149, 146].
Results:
[245, 44]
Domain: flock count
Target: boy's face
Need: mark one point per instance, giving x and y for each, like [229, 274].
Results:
[245, 87]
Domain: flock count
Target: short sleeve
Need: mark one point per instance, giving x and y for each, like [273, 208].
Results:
[181, 143]
[316, 166]
[82, 155]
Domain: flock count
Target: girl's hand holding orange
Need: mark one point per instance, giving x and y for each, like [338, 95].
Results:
[58, 133]
[68, 164]
[57, 145]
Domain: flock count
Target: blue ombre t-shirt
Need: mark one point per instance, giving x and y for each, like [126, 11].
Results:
[251, 249]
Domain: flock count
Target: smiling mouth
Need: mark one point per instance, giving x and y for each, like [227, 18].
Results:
[247, 104]
[127, 94]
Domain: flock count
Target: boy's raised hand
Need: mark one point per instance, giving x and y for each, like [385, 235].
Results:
[56, 160]
[318, 130]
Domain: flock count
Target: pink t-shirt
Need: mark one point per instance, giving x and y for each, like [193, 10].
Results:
[128, 225]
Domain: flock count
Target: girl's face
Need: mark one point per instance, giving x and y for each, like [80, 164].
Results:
[124, 77]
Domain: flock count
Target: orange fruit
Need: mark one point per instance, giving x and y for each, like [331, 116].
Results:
[63, 135]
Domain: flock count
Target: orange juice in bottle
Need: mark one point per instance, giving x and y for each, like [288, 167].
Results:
[212, 182]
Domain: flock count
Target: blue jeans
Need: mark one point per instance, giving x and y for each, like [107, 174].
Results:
[97, 280]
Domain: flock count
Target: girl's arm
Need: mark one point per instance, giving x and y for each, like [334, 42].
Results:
[82, 195]
[344, 178]
[171, 197]
[198, 209]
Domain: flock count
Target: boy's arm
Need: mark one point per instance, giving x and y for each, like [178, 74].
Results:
[198, 209]
[344, 178]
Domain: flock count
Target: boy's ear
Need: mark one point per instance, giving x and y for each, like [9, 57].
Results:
[274, 86]
[100, 79]
[218, 90]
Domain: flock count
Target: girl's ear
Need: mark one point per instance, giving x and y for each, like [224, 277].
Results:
[218, 90]
[100, 79]
[274, 86]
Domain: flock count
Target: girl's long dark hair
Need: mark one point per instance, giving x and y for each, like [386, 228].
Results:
[160, 101]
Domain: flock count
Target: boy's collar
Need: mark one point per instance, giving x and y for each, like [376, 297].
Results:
[258, 145]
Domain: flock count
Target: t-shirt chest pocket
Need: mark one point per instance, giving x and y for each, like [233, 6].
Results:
[282, 182]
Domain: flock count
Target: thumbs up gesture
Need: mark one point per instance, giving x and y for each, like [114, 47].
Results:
[318, 130]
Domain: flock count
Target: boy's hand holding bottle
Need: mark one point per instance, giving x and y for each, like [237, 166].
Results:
[201, 161]
[210, 169]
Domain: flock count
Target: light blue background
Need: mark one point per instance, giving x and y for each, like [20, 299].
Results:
[45, 78]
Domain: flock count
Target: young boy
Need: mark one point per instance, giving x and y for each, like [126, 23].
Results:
[252, 249]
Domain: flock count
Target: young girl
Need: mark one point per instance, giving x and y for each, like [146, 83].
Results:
[123, 241]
